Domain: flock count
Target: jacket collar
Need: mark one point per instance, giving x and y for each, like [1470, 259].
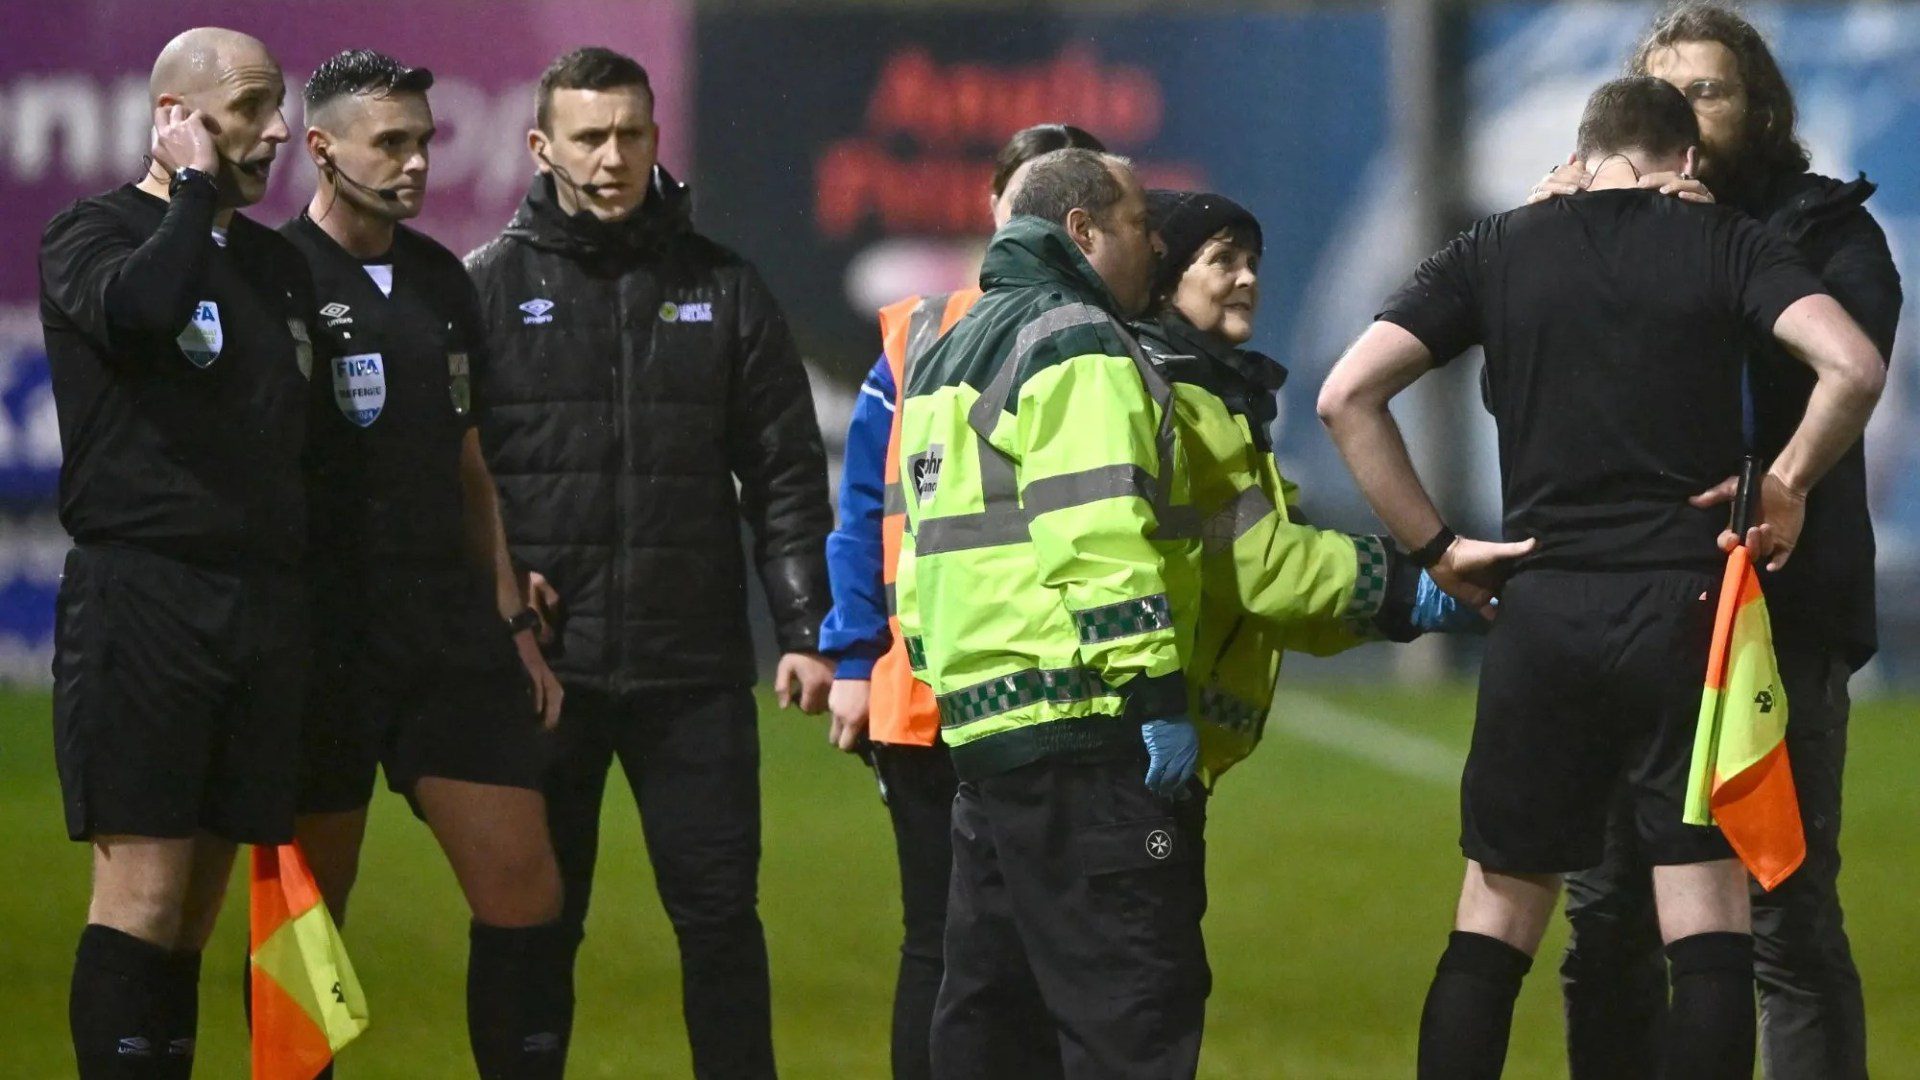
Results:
[666, 213]
[1031, 252]
[1181, 336]
[1796, 202]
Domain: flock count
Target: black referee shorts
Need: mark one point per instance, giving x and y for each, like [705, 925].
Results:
[423, 681]
[1591, 680]
[177, 696]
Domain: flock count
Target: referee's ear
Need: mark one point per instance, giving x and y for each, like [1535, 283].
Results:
[317, 148]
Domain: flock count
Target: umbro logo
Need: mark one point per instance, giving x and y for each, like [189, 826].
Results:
[336, 314]
[671, 312]
[136, 1046]
[538, 311]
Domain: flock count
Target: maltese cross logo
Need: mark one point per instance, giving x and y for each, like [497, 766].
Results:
[1159, 844]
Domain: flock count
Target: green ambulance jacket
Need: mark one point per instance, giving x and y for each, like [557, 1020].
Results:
[1049, 578]
[1269, 582]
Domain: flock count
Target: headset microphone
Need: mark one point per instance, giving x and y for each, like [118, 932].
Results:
[387, 194]
[592, 190]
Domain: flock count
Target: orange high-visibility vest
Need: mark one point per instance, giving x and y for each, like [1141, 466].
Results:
[902, 709]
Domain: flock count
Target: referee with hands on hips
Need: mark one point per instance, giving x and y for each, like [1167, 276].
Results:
[1617, 324]
[417, 614]
[177, 334]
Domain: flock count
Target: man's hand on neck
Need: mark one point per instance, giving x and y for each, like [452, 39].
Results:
[1626, 168]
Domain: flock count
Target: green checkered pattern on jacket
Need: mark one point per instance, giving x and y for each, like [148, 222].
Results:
[1124, 619]
[916, 654]
[1222, 708]
[1022, 688]
[1370, 579]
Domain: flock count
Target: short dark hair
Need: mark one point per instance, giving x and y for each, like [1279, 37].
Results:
[1641, 113]
[1772, 141]
[1061, 180]
[1029, 143]
[591, 68]
[363, 71]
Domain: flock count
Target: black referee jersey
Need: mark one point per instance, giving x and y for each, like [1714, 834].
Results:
[180, 375]
[1616, 326]
[393, 406]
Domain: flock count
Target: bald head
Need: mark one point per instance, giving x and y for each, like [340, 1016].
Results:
[204, 58]
[229, 83]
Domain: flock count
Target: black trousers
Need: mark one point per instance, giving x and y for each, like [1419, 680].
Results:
[1812, 1019]
[918, 785]
[692, 758]
[1073, 928]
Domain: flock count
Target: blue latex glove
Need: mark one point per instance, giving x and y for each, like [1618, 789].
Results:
[1434, 611]
[1173, 754]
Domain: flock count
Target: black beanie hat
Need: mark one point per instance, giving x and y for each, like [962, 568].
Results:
[1186, 220]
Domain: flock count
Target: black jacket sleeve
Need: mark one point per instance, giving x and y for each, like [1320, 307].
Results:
[1861, 275]
[773, 448]
[111, 286]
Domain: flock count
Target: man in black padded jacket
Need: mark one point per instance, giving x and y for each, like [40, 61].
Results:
[640, 371]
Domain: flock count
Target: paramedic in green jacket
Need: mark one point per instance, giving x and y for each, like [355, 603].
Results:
[1048, 591]
[1269, 582]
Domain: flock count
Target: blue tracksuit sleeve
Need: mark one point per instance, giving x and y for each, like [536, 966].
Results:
[855, 632]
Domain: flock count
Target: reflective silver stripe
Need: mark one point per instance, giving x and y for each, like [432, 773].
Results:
[1233, 521]
[993, 400]
[923, 329]
[1091, 485]
[999, 491]
[1111, 482]
[964, 532]
[893, 601]
[1177, 522]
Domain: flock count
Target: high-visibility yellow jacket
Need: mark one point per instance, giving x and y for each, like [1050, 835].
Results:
[1049, 577]
[1269, 582]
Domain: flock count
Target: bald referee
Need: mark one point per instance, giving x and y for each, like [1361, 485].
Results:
[424, 657]
[177, 334]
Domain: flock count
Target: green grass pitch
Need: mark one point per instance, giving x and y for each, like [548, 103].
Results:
[1333, 872]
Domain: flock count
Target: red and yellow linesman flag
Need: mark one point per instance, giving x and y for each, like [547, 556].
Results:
[1740, 778]
[307, 1003]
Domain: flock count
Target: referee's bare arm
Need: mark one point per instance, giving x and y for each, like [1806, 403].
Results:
[1849, 373]
[1385, 360]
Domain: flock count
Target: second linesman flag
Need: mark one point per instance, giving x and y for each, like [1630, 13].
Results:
[1741, 779]
[307, 1003]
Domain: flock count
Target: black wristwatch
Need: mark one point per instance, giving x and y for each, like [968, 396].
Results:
[1429, 553]
[527, 619]
[184, 175]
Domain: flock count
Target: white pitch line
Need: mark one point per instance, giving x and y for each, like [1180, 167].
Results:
[1320, 722]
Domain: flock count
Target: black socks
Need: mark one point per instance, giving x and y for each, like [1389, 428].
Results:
[1710, 1025]
[1469, 1010]
[520, 1000]
[132, 1008]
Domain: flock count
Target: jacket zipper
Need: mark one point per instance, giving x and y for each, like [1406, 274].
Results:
[616, 603]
